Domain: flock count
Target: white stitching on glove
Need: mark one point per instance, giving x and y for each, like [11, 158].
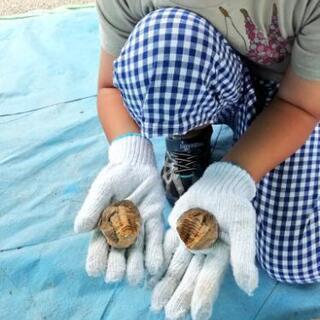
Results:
[131, 174]
[193, 278]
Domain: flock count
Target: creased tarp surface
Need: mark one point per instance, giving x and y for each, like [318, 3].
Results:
[51, 148]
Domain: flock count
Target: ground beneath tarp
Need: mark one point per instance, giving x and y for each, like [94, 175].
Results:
[51, 148]
[13, 7]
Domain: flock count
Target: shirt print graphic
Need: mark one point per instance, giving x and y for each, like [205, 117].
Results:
[263, 49]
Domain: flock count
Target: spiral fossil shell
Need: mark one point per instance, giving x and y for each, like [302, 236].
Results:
[198, 229]
[120, 224]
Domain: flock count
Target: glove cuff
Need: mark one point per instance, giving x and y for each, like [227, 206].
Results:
[132, 149]
[226, 177]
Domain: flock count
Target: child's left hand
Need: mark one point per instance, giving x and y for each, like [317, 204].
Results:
[193, 278]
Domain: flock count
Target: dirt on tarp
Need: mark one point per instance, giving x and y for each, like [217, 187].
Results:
[13, 7]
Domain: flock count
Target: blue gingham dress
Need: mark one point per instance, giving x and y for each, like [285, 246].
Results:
[176, 72]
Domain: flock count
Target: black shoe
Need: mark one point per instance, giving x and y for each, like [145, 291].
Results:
[185, 161]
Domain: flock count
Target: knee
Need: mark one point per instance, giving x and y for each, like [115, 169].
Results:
[170, 45]
[284, 263]
[170, 72]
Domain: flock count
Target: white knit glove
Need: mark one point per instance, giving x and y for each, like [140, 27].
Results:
[131, 174]
[193, 278]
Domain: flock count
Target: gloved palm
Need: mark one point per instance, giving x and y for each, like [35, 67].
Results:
[131, 174]
[193, 278]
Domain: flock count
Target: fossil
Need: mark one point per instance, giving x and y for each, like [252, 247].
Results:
[120, 224]
[198, 229]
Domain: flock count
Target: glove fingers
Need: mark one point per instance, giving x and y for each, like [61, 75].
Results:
[242, 256]
[154, 250]
[170, 244]
[179, 304]
[97, 199]
[135, 268]
[165, 288]
[209, 281]
[96, 262]
[116, 265]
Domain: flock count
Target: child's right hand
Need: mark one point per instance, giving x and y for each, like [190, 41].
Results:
[130, 174]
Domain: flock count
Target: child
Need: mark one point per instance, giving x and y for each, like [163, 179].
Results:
[174, 68]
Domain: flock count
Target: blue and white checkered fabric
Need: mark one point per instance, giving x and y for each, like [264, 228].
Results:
[288, 207]
[176, 72]
[174, 76]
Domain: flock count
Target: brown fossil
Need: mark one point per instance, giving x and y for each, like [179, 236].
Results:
[120, 224]
[198, 229]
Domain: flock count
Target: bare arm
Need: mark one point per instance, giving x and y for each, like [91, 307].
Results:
[113, 114]
[281, 129]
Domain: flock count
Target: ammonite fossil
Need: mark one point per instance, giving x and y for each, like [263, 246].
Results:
[198, 229]
[120, 224]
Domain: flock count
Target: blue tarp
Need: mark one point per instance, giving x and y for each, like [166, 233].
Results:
[51, 148]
